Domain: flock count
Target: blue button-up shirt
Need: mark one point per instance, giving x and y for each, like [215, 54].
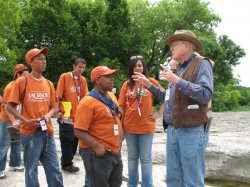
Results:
[201, 90]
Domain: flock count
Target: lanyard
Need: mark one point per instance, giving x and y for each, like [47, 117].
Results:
[138, 93]
[78, 90]
[112, 111]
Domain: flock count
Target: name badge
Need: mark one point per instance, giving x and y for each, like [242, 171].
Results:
[43, 125]
[193, 107]
[139, 111]
[167, 95]
[78, 98]
[116, 129]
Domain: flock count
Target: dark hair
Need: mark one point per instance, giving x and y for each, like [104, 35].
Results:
[79, 60]
[132, 62]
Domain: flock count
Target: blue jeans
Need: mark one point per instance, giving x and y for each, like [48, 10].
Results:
[185, 156]
[139, 147]
[84, 152]
[41, 146]
[103, 171]
[5, 144]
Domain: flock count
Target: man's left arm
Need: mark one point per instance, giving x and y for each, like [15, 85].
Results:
[202, 89]
[85, 87]
[53, 99]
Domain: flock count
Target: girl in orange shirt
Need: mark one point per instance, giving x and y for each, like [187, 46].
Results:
[136, 106]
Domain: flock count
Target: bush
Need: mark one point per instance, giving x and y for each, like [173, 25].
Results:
[230, 98]
[245, 96]
[233, 102]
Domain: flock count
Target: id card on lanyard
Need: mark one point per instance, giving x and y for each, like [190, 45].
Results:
[77, 87]
[167, 94]
[78, 98]
[116, 129]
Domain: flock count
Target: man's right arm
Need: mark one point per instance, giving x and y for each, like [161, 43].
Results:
[59, 93]
[157, 92]
[90, 141]
[11, 109]
[15, 123]
[59, 113]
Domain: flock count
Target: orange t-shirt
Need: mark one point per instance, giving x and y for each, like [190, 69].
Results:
[69, 89]
[3, 115]
[95, 117]
[38, 99]
[132, 122]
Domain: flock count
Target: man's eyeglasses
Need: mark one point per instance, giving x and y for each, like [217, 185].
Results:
[173, 45]
[136, 57]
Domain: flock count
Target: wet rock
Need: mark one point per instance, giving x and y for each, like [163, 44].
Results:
[228, 152]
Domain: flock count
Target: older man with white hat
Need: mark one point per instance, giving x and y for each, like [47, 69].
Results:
[185, 109]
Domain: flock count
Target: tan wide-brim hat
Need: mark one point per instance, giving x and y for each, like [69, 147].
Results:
[185, 35]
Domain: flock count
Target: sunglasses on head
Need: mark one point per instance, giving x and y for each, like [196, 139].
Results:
[136, 57]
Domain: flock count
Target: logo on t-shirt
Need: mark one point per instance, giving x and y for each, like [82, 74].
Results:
[38, 96]
[74, 89]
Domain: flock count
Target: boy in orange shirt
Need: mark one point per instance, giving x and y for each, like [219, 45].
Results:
[37, 95]
[72, 87]
[7, 120]
[98, 127]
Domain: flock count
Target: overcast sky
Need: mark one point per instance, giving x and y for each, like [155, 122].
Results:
[235, 24]
[235, 15]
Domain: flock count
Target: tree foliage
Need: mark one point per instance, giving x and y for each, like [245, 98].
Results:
[9, 27]
[108, 32]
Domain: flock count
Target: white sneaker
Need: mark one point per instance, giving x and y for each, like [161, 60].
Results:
[19, 168]
[2, 175]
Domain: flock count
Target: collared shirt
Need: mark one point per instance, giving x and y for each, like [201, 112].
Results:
[201, 90]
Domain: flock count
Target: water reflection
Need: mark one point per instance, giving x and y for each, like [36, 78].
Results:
[223, 183]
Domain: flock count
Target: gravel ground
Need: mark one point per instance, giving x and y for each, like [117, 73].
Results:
[16, 179]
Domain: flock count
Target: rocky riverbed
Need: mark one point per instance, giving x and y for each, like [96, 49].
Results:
[227, 156]
[228, 153]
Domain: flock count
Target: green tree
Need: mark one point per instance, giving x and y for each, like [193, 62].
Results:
[49, 23]
[9, 26]
[245, 96]
[227, 55]
[105, 37]
[154, 23]
[108, 32]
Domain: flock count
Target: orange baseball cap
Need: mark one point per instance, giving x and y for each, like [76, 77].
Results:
[19, 68]
[101, 70]
[34, 52]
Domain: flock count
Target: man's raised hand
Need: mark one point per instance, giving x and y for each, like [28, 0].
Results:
[168, 75]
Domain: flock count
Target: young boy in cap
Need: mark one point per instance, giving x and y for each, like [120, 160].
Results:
[7, 120]
[37, 96]
[98, 127]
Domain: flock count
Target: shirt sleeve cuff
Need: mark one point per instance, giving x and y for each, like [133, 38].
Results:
[183, 85]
